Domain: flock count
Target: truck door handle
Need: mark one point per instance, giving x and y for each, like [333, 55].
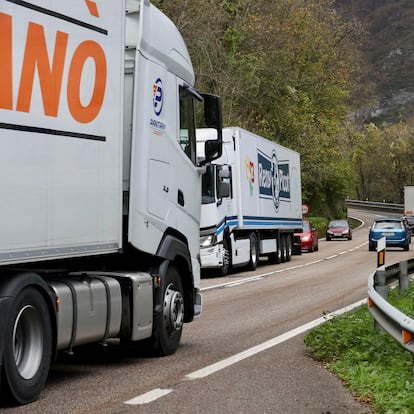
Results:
[180, 198]
[165, 188]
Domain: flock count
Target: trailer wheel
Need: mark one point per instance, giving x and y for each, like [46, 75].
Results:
[288, 248]
[254, 254]
[28, 347]
[283, 247]
[276, 257]
[226, 258]
[171, 319]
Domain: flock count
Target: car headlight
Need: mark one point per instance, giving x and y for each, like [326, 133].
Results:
[208, 241]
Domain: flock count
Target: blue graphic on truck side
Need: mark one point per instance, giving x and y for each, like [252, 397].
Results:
[274, 178]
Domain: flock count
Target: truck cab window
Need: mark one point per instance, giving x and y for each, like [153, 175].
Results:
[187, 124]
[208, 186]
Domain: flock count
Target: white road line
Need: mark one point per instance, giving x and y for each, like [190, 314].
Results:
[263, 275]
[314, 262]
[218, 366]
[243, 281]
[148, 397]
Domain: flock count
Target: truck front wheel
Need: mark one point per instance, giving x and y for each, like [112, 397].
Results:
[254, 253]
[226, 258]
[28, 347]
[170, 321]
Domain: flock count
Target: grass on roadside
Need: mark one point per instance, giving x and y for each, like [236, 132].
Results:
[375, 367]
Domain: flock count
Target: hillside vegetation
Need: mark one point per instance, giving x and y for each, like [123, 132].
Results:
[388, 50]
[317, 76]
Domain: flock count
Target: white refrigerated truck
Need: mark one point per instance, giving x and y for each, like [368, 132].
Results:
[99, 181]
[251, 202]
[409, 200]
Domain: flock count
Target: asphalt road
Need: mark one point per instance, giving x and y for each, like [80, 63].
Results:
[244, 355]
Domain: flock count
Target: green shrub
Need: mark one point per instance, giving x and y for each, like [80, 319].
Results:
[320, 224]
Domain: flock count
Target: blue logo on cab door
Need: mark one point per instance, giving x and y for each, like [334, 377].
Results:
[158, 96]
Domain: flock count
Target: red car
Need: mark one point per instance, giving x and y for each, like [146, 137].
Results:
[338, 229]
[308, 238]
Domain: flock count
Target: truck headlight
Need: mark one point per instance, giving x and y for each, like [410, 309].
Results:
[208, 241]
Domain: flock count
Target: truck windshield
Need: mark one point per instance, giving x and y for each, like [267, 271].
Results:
[208, 186]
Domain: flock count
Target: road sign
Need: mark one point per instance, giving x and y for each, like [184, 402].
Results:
[305, 209]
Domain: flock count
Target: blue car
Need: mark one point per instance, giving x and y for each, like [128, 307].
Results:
[393, 229]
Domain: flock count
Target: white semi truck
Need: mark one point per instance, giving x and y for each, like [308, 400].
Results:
[99, 180]
[409, 200]
[251, 202]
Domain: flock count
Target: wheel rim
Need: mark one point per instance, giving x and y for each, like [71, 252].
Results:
[173, 309]
[253, 250]
[254, 254]
[27, 342]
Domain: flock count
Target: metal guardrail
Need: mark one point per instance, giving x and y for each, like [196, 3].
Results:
[373, 205]
[393, 321]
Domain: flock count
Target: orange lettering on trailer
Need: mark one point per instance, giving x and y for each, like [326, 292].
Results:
[93, 8]
[50, 77]
[86, 50]
[6, 69]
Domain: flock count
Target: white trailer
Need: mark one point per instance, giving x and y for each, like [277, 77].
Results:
[409, 200]
[99, 182]
[251, 202]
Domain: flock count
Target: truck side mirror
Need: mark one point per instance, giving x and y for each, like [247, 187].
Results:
[212, 111]
[213, 119]
[212, 150]
[223, 187]
[224, 172]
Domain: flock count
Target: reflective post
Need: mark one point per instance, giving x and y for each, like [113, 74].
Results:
[404, 282]
[381, 244]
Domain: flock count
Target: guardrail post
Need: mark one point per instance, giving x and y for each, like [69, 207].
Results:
[382, 289]
[404, 282]
[381, 283]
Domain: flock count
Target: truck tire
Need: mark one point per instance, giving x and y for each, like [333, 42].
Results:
[226, 258]
[254, 252]
[288, 248]
[28, 347]
[283, 247]
[276, 257]
[169, 322]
